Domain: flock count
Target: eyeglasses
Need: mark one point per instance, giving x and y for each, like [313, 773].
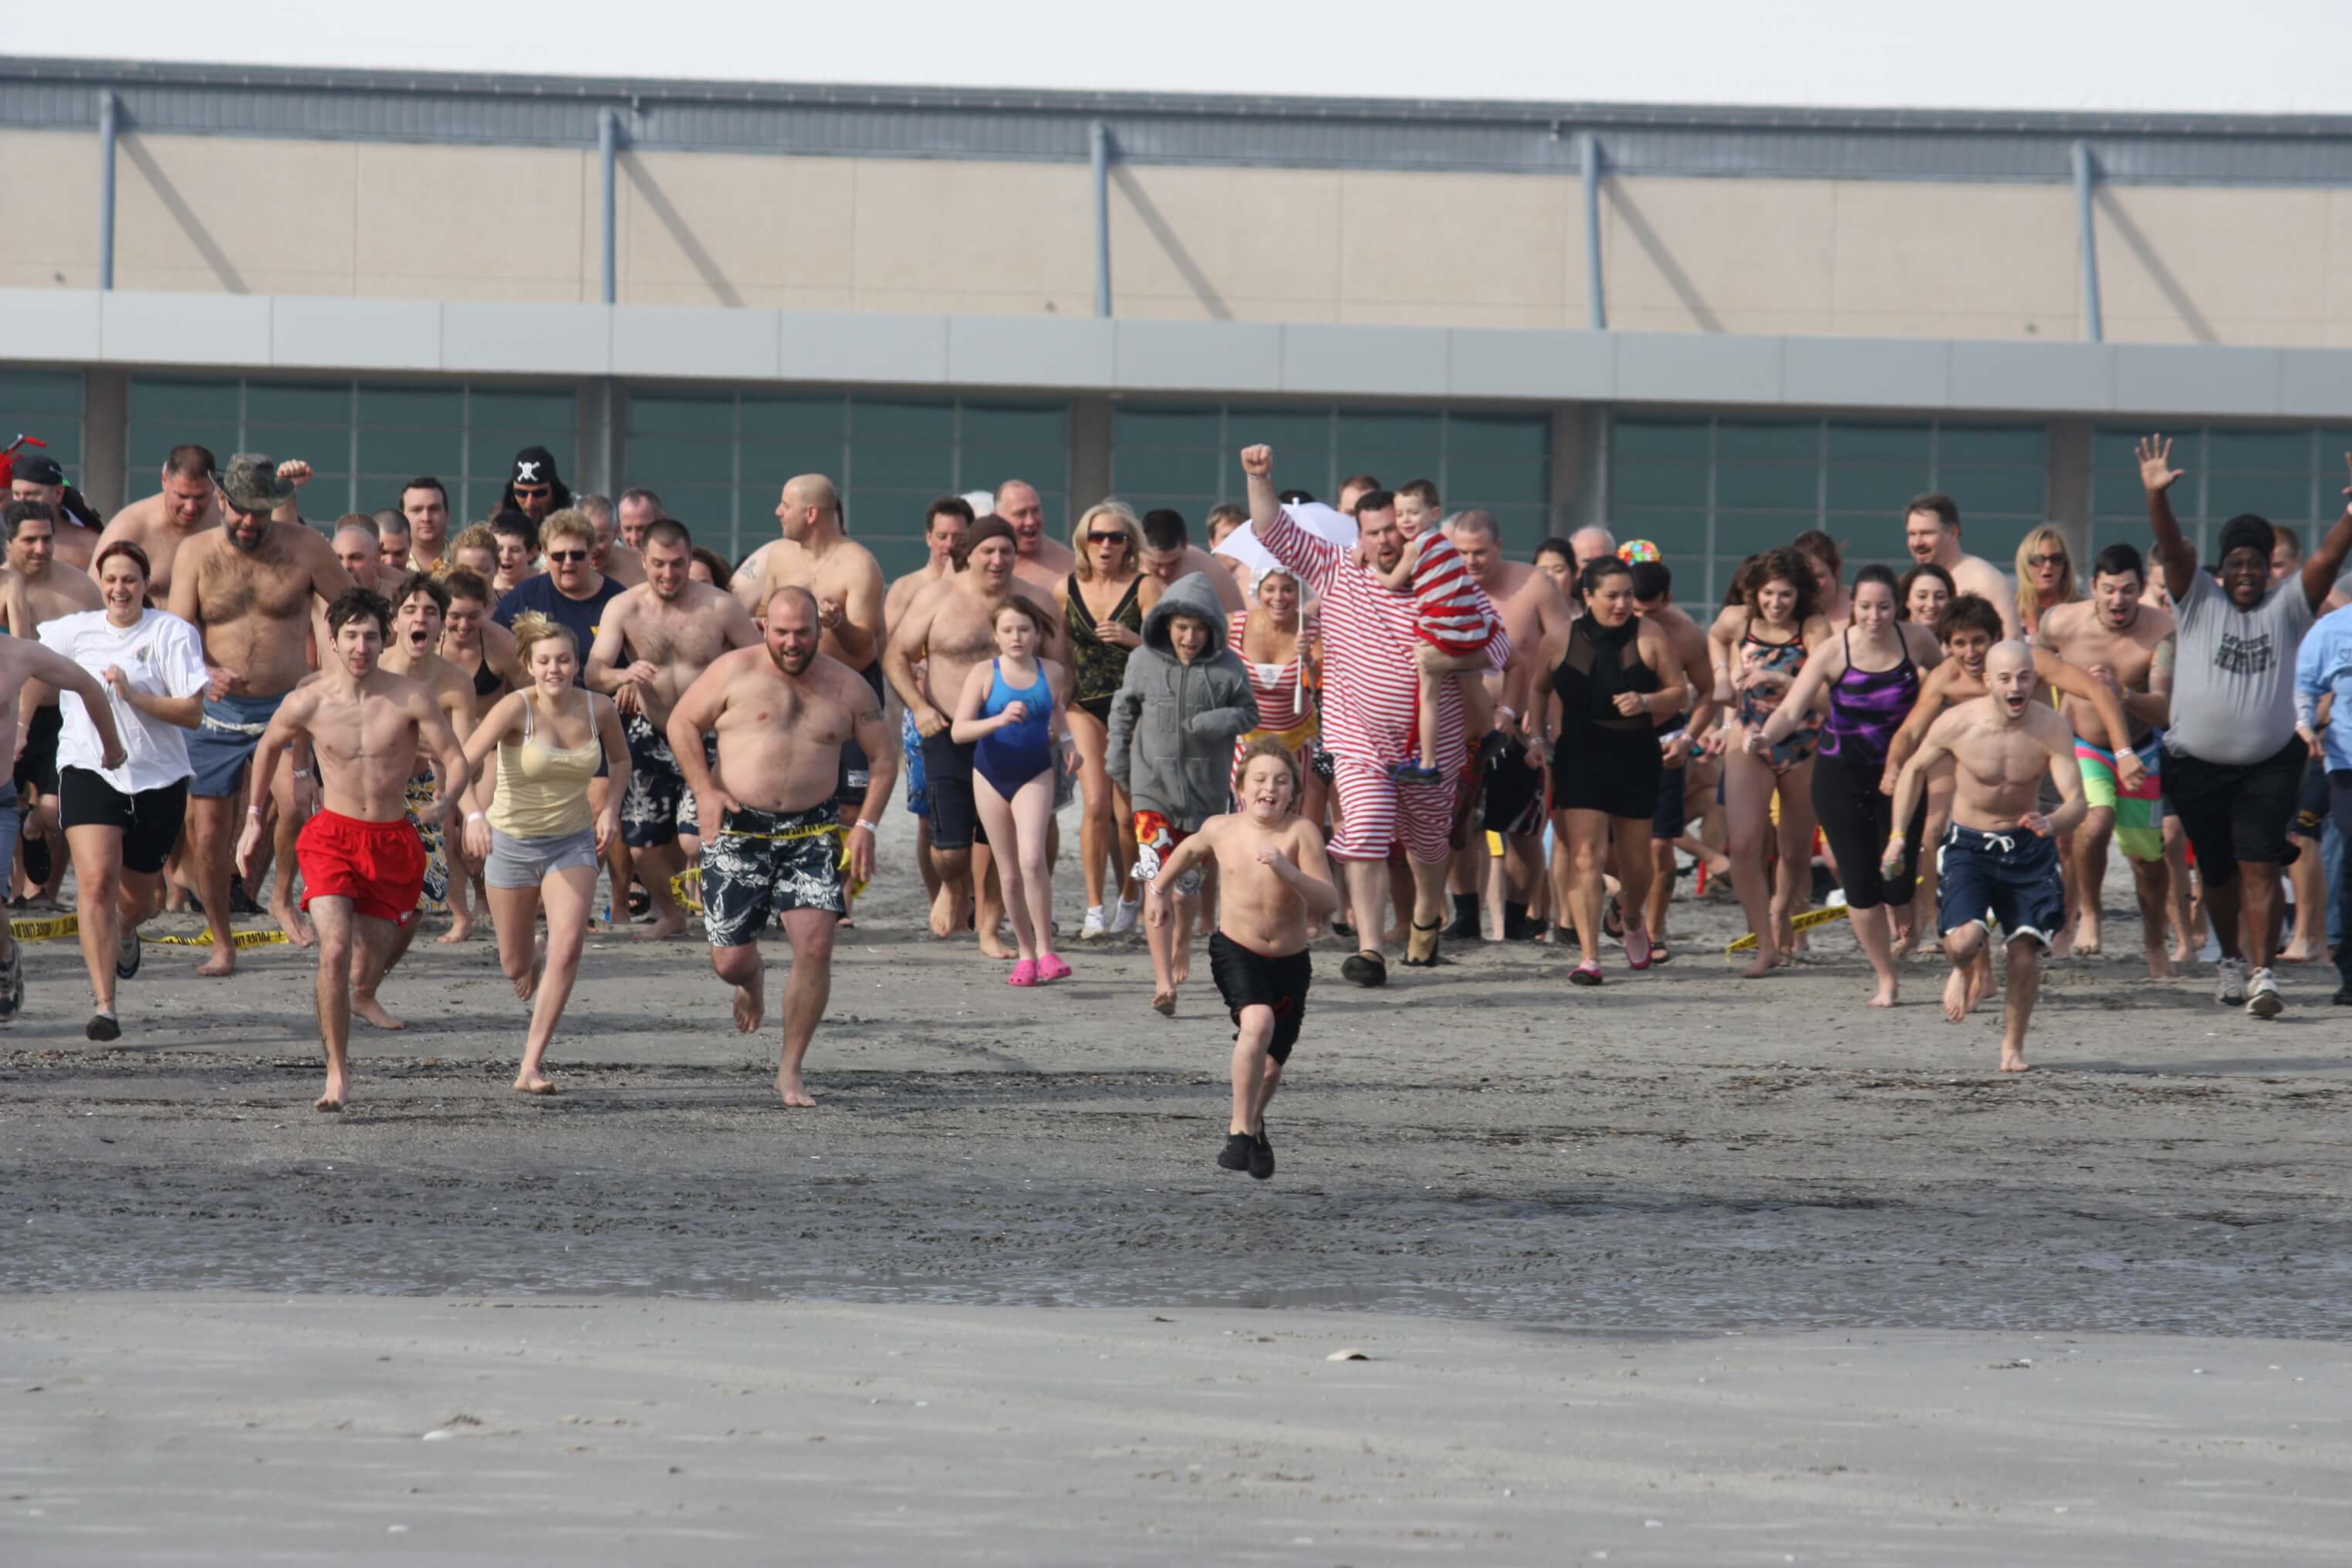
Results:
[2038, 562]
[531, 492]
[1106, 539]
[567, 555]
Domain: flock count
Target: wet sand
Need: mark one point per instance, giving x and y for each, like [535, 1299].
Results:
[1677, 1151]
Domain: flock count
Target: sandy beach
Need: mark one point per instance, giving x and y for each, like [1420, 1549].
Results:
[1495, 1185]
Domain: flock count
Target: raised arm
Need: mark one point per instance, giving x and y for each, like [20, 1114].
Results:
[2179, 557]
[1313, 559]
[2325, 563]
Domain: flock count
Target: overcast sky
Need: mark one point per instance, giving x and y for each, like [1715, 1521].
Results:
[2252, 56]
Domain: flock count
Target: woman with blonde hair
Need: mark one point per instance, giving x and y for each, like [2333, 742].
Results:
[538, 840]
[2046, 577]
[1103, 610]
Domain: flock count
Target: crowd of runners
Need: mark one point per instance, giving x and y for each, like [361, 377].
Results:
[1357, 723]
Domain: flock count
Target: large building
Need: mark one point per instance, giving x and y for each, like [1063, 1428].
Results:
[1710, 327]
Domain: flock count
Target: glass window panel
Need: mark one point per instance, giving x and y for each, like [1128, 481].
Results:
[1658, 482]
[391, 449]
[297, 403]
[1501, 437]
[912, 468]
[2270, 451]
[876, 421]
[211, 402]
[1997, 539]
[1148, 469]
[1792, 486]
[552, 413]
[709, 417]
[54, 394]
[411, 407]
[1743, 533]
[1868, 536]
[1908, 446]
[1641, 441]
[1391, 430]
[2271, 495]
[1858, 487]
[1993, 446]
[149, 442]
[812, 422]
[1485, 483]
[1017, 423]
[1986, 492]
[1142, 425]
[1191, 504]
[1301, 440]
[1767, 441]
[1522, 526]
[1671, 529]
[1044, 467]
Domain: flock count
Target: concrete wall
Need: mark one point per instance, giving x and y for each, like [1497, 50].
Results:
[1738, 255]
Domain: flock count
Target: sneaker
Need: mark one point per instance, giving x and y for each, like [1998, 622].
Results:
[2262, 999]
[1095, 925]
[1123, 920]
[126, 954]
[2230, 988]
[103, 1028]
[12, 984]
[1261, 1159]
[1236, 1154]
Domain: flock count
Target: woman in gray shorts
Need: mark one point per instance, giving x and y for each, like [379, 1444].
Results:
[538, 840]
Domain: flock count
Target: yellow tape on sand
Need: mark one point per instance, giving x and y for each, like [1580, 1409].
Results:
[56, 926]
[1805, 921]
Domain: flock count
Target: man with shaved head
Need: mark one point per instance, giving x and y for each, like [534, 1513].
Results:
[2000, 854]
[846, 580]
[1043, 562]
[186, 505]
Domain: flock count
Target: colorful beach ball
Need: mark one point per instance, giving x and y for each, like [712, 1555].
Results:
[1634, 552]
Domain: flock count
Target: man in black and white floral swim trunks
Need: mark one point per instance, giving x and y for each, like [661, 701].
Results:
[771, 843]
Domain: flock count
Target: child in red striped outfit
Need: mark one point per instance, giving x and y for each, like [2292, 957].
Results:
[1453, 617]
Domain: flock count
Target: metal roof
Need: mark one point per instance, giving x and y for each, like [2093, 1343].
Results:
[1013, 124]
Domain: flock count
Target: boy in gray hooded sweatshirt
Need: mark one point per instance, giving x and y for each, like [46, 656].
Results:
[1185, 700]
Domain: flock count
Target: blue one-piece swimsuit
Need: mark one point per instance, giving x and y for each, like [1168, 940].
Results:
[1010, 757]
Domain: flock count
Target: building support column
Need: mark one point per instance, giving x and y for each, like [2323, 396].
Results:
[2086, 241]
[1596, 295]
[1580, 467]
[110, 118]
[106, 479]
[608, 158]
[604, 427]
[2068, 504]
[1089, 478]
[1098, 140]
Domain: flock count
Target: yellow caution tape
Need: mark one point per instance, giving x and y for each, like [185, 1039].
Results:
[1805, 921]
[56, 926]
[686, 886]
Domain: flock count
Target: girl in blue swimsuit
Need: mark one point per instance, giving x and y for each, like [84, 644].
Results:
[1008, 715]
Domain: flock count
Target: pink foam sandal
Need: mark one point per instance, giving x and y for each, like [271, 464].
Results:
[1024, 974]
[1051, 967]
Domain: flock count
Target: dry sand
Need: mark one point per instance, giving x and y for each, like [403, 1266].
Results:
[1499, 1186]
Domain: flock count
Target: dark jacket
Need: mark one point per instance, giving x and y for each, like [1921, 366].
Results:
[1173, 725]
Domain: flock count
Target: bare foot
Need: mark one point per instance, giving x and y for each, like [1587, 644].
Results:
[293, 922]
[1906, 942]
[993, 946]
[1164, 1002]
[2159, 960]
[223, 962]
[528, 987]
[1180, 965]
[2013, 1061]
[2062, 944]
[2182, 953]
[796, 1092]
[750, 1005]
[1766, 961]
[1956, 1002]
[459, 930]
[534, 1083]
[334, 1098]
[664, 928]
[372, 1010]
[2293, 954]
[1884, 995]
[948, 913]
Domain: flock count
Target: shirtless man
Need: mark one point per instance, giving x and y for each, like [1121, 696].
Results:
[943, 527]
[1169, 554]
[2119, 641]
[1045, 563]
[425, 507]
[945, 635]
[362, 866]
[1654, 593]
[39, 589]
[1931, 531]
[614, 559]
[655, 641]
[637, 509]
[420, 607]
[771, 843]
[1531, 608]
[247, 587]
[1273, 877]
[188, 504]
[1999, 854]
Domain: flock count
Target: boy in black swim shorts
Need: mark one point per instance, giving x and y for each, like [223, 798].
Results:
[1272, 874]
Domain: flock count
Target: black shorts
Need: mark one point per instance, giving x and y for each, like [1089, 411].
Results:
[2310, 814]
[649, 807]
[38, 766]
[150, 820]
[1514, 793]
[856, 768]
[947, 778]
[763, 863]
[1614, 772]
[2236, 812]
[1246, 978]
[1672, 813]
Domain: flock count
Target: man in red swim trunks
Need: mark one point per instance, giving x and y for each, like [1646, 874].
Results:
[362, 864]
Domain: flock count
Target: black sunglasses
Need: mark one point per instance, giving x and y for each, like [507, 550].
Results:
[1106, 539]
[567, 555]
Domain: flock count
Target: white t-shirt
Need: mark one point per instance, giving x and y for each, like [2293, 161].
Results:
[160, 656]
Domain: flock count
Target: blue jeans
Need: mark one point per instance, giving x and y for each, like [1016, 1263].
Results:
[2339, 809]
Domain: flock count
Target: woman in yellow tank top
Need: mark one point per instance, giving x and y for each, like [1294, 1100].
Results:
[538, 840]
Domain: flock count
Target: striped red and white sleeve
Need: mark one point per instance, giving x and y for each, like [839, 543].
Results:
[1311, 556]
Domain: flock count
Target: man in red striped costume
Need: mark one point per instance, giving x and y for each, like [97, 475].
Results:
[1372, 652]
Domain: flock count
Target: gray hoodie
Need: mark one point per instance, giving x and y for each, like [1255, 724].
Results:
[1173, 725]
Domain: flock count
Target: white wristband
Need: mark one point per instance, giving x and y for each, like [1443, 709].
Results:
[472, 816]
[861, 821]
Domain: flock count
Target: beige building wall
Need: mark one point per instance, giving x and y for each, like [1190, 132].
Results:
[1864, 258]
